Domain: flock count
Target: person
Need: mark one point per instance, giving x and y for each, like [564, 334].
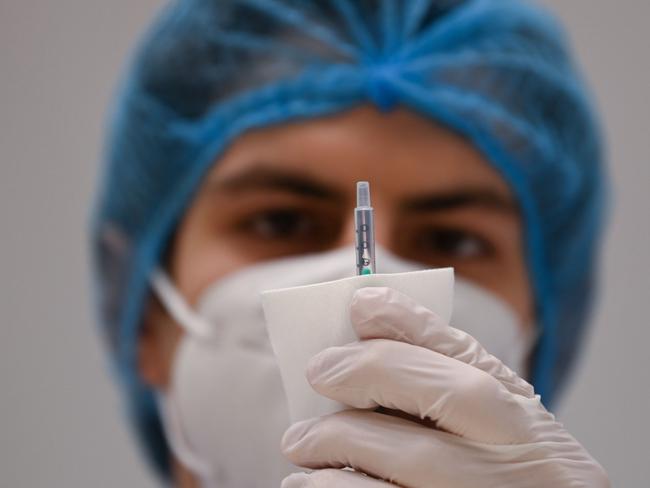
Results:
[236, 140]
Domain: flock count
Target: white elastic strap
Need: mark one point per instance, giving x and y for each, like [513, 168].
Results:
[176, 305]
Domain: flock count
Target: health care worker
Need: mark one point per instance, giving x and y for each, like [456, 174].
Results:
[237, 137]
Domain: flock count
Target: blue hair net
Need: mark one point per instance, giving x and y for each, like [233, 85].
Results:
[497, 72]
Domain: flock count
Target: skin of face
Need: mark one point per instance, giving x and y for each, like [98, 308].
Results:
[291, 189]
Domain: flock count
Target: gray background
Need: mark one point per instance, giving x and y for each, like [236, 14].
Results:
[60, 423]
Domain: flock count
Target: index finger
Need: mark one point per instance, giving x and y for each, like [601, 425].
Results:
[385, 313]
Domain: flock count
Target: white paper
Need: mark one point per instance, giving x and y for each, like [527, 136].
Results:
[304, 320]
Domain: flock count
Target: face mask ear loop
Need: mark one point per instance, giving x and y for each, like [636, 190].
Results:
[177, 307]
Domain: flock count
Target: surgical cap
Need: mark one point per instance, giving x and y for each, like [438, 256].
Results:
[497, 72]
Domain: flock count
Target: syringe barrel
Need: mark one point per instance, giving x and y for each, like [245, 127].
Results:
[365, 239]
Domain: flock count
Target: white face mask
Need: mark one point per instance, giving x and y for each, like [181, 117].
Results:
[226, 410]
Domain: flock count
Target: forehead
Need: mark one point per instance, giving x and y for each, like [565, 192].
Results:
[400, 152]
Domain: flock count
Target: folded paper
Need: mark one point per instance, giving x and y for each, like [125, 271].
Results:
[304, 320]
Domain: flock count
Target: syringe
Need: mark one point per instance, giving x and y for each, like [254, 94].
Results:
[364, 230]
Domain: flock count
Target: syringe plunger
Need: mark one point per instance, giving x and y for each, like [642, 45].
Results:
[363, 194]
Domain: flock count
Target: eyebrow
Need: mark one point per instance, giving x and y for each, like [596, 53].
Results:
[465, 197]
[262, 177]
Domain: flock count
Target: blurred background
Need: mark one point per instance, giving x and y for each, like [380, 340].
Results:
[60, 415]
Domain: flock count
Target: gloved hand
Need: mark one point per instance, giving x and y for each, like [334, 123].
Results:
[474, 422]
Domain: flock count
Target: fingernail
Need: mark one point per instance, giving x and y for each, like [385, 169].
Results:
[295, 480]
[320, 365]
[367, 293]
[295, 433]
[365, 301]
[315, 367]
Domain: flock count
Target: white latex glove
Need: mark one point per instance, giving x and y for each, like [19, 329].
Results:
[482, 425]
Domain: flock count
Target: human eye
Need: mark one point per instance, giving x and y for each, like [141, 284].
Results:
[453, 243]
[279, 224]
[302, 227]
